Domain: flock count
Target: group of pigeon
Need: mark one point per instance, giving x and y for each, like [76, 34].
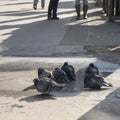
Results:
[59, 77]
[47, 80]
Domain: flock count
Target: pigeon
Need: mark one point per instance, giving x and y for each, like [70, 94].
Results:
[60, 76]
[46, 85]
[69, 70]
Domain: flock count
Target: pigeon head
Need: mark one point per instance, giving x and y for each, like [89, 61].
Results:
[57, 68]
[40, 70]
[91, 65]
[35, 81]
[65, 63]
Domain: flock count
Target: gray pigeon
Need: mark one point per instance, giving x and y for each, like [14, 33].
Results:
[44, 73]
[69, 70]
[60, 76]
[96, 82]
[46, 85]
[91, 70]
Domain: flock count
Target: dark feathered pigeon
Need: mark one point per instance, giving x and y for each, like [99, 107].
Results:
[69, 70]
[60, 76]
[91, 70]
[44, 73]
[95, 81]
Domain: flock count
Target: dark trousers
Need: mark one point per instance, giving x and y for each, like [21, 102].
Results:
[53, 8]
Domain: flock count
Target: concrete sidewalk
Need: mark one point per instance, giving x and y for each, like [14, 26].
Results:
[26, 32]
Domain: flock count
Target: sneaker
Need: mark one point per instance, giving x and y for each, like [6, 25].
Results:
[55, 18]
[85, 16]
[35, 7]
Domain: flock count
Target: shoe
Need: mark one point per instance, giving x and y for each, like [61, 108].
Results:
[77, 18]
[85, 9]
[35, 7]
[50, 18]
[55, 18]
[85, 17]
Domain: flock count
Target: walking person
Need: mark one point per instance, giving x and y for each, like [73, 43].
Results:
[35, 3]
[52, 10]
[78, 7]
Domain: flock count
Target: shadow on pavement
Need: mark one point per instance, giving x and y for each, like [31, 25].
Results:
[43, 32]
[38, 97]
[108, 109]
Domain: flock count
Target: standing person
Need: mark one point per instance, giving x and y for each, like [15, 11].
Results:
[52, 10]
[35, 2]
[85, 8]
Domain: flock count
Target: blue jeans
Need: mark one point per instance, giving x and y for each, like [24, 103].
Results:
[77, 2]
[35, 2]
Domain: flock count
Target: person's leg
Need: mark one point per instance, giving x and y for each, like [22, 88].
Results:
[35, 2]
[78, 11]
[50, 8]
[55, 5]
[85, 8]
[77, 7]
[42, 4]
